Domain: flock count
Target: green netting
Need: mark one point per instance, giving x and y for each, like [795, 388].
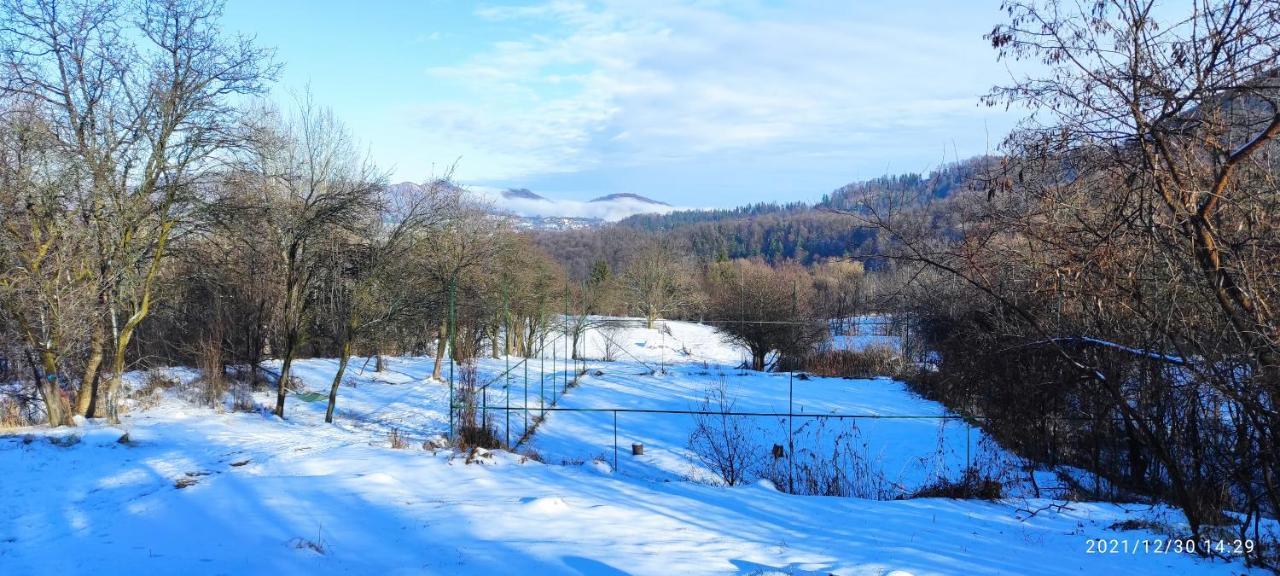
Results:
[310, 396]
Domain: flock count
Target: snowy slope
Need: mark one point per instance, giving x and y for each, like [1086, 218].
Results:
[196, 491]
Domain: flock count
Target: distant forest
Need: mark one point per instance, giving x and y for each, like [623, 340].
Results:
[796, 231]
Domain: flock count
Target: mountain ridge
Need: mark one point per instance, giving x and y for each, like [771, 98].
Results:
[627, 196]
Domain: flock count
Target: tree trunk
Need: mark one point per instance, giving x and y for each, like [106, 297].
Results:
[87, 402]
[440, 349]
[379, 363]
[337, 380]
[283, 383]
[506, 337]
[55, 405]
[115, 383]
[126, 331]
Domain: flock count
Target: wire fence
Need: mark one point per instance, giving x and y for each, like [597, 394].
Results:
[517, 396]
[524, 392]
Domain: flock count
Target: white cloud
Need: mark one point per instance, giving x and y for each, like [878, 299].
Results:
[639, 83]
[609, 210]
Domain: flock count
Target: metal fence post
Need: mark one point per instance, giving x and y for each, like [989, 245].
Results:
[450, 330]
[506, 349]
[526, 387]
[542, 378]
[791, 441]
[615, 441]
[968, 429]
[791, 410]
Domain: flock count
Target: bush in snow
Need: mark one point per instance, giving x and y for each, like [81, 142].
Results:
[213, 379]
[17, 410]
[836, 467]
[471, 431]
[397, 440]
[153, 387]
[723, 442]
[971, 484]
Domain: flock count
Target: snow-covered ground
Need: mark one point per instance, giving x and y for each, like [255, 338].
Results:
[862, 332]
[196, 491]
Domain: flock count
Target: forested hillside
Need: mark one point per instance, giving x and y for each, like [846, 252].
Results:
[792, 232]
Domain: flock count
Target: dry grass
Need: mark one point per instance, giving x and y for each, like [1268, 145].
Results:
[531, 454]
[397, 440]
[316, 546]
[11, 414]
[153, 388]
[213, 383]
[970, 486]
[866, 363]
[476, 436]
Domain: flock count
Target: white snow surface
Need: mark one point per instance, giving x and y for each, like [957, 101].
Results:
[199, 491]
[862, 332]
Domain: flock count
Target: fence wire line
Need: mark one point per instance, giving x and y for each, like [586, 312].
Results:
[802, 414]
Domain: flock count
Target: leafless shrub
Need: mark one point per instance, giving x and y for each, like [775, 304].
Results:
[242, 397]
[478, 437]
[471, 431]
[397, 439]
[843, 469]
[972, 484]
[721, 441]
[11, 413]
[153, 388]
[157, 380]
[985, 472]
[317, 545]
[611, 346]
[213, 383]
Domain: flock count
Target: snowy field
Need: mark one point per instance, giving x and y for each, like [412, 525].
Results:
[196, 491]
[862, 332]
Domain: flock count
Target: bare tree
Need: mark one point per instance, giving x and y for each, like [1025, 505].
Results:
[839, 292]
[468, 240]
[141, 96]
[763, 308]
[1122, 254]
[659, 281]
[1174, 121]
[44, 287]
[367, 271]
[311, 182]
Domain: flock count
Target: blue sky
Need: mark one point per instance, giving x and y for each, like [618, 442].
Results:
[694, 102]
